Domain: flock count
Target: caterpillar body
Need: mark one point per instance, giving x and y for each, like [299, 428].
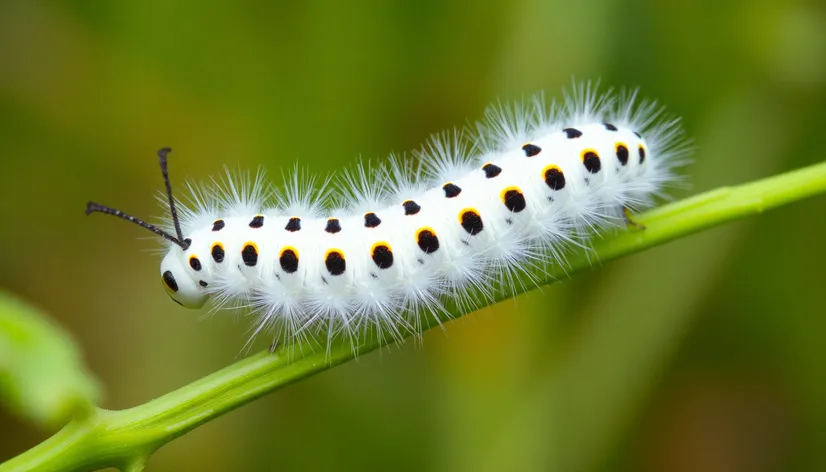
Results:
[469, 211]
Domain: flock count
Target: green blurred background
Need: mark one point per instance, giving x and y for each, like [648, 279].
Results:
[705, 354]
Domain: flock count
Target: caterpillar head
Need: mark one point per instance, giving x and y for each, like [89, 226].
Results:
[180, 286]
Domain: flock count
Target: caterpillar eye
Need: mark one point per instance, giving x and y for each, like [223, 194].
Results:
[169, 281]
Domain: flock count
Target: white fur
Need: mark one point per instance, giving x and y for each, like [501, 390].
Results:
[311, 301]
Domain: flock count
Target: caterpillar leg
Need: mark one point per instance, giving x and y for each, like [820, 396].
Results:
[626, 214]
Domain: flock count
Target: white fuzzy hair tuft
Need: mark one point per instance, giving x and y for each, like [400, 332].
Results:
[378, 247]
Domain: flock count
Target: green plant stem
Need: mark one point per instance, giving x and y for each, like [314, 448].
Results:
[126, 439]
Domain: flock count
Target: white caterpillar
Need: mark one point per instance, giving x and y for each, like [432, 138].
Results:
[473, 210]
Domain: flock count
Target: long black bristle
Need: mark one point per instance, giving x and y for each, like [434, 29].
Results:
[162, 153]
[93, 207]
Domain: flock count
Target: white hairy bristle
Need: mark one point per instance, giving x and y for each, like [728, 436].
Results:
[382, 246]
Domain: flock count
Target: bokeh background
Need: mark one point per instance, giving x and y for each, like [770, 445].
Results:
[708, 353]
